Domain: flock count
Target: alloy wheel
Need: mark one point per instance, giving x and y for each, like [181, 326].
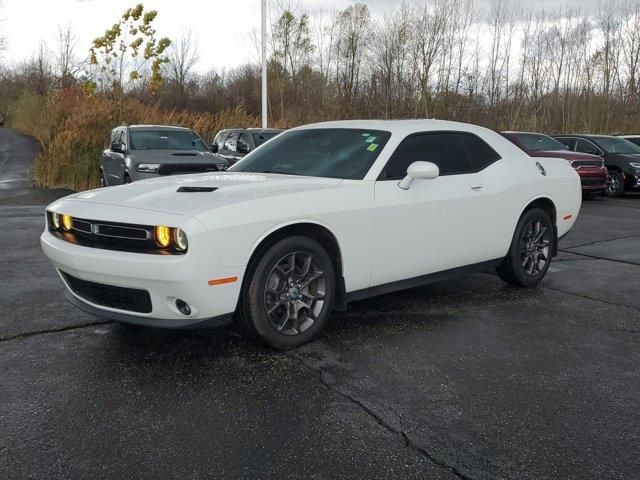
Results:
[534, 247]
[294, 293]
[613, 183]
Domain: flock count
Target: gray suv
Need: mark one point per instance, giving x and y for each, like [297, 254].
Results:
[145, 151]
[234, 143]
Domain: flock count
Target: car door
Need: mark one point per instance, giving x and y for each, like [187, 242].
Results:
[436, 224]
[112, 159]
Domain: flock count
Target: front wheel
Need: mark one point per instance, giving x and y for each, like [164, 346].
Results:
[288, 293]
[615, 184]
[530, 252]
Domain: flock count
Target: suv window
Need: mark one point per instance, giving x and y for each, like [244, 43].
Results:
[444, 149]
[230, 142]
[246, 139]
[568, 142]
[219, 140]
[480, 153]
[585, 146]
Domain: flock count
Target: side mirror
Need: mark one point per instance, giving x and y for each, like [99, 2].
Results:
[214, 147]
[242, 147]
[117, 147]
[419, 171]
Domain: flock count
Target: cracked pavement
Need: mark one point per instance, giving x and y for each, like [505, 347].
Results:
[467, 379]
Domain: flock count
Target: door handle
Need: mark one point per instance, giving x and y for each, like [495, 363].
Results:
[476, 186]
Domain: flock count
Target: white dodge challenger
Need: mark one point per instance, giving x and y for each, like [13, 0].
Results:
[319, 216]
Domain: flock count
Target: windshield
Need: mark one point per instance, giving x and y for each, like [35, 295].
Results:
[166, 140]
[320, 152]
[617, 145]
[532, 142]
[260, 138]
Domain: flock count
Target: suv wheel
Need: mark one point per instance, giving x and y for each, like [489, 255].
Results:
[615, 184]
[288, 293]
[530, 253]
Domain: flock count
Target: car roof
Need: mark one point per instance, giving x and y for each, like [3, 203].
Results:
[253, 130]
[155, 127]
[512, 132]
[403, 127]
[583, 135]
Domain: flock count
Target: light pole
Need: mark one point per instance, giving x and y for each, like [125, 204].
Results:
[264, 63]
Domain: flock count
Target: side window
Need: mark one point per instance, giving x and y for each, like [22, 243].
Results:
[479, 152]
[443, 149]
[123, 138]
[231, 141]
[568, 142]
[114, 137]
[245, 138]
[219, 140]
[585, 146]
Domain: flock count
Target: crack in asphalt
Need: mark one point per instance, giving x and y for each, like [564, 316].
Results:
[21, 336]
[625, 305]
[378, 418]
[596, 257]
[603, 241]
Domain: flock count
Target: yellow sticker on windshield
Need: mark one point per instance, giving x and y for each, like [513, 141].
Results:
[372, 147]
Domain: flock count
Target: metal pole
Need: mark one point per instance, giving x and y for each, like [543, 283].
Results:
[264, 63]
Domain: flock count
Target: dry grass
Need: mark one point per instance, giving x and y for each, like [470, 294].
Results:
[73, 127]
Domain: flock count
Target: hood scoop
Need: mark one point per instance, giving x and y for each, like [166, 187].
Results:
[184, 154]
[196, 189]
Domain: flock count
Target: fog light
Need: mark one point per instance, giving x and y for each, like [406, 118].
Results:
[163, 236]
[67, 222]
[183, 307]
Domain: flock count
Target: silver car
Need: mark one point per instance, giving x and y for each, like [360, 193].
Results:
[136, 152]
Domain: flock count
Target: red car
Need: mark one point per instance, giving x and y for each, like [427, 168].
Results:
[593, 173]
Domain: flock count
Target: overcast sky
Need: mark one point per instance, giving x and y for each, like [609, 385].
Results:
[222, 27]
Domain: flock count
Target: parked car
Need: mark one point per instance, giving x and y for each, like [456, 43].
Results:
[321, 215]
[593, 174]
[234, 143]
[145, 151]
[621, 157]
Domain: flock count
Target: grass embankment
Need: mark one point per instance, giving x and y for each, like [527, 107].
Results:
[73, 127]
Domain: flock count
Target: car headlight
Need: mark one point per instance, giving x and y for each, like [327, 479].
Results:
[163, 236]
[67, 222]
[180, 240]
[147, 167]
[635, 164]
[55, 220]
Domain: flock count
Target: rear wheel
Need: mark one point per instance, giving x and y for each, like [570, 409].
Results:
[530, 253]
[615, 184]
[288, 293]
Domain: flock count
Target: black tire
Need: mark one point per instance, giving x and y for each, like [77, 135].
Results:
[615, 184]
[269, 300]
[520, 267]
[127, 178]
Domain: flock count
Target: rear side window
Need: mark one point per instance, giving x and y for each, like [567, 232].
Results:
[230, 142]
[567, 142]
[480, 153]
[219, 140]
[444, 149]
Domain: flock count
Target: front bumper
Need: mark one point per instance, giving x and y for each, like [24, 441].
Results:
[166, 278]
[592, 179]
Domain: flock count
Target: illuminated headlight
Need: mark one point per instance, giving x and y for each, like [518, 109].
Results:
[147, 167]
[55, 220]
[180, 240]
[67, 222]
[163, 236]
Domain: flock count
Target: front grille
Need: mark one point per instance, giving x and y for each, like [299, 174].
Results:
[177, 168]
[120, 298]
[586, 163]
[122, 237]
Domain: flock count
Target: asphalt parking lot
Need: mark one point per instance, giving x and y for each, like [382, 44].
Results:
[468, 378]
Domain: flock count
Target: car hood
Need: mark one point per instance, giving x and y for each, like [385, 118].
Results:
[173, 156]
[161, 193]
[628, 157]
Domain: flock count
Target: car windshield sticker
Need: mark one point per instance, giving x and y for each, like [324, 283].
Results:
[370, 139]
[366, 134]
[372, 147]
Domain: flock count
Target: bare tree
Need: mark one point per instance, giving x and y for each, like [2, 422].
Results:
[182, 57]
[67, 65]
